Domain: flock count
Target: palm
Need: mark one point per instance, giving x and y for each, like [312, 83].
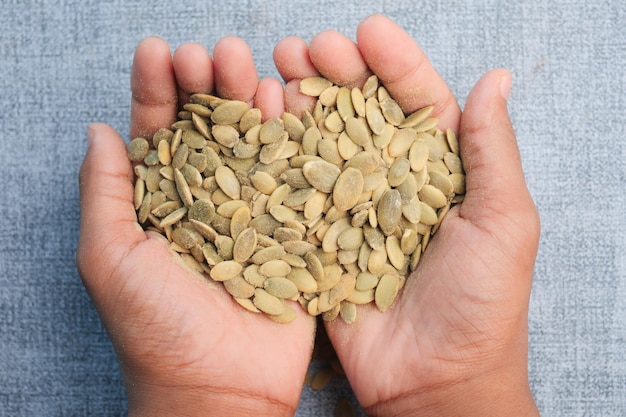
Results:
[184, 328]
[447, 322]
[466, 303]
[172, 327]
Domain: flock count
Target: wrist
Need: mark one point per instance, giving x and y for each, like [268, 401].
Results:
[503, 394]
[206, 403]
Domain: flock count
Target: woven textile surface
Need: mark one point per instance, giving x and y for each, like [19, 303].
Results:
[64, 64]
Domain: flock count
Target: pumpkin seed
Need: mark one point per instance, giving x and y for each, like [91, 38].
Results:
[229, 112]
[331, 209]
[321, 174]
[228, 182]
[314, 86]
[287, 316]
[245, 245]
[321, 379]
[386, 291]
[389, 211]
[238, 287]
[138, 149]
[344, 407]
[281, 287]
[347, 189]
[225, 270]
[267, 303]
[374, 116]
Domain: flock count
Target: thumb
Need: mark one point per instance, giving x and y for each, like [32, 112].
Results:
[108, 224]
[496, 191]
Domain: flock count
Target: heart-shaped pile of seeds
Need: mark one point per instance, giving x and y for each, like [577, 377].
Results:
[331, 210]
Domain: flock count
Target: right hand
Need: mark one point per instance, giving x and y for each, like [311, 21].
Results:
[455, 342]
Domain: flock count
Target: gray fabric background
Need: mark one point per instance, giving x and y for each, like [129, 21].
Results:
[64, 64]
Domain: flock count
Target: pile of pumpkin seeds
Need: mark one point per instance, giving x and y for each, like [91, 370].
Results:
[331, 210]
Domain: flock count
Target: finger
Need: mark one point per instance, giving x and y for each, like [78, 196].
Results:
[495, 181]
[193, 68]
[107, 214]
[338, 59]
[235, 73]
[291, 58]
[153, 87]
[405, 70]
[269, 98]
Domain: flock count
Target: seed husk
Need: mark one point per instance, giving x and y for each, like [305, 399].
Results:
[348, 312]
[361, 297]
[247, 304]
[144, 208]
[432, 196]
[264, 182]
[392, 111]
[229, 112]
[458, 183]
[453, 162]
[228, 182]
[417, 117]
[166, 208]
[287, 316]
[321, 174]
[389, 211]
[357, 130]
[386, 291]
[342, 290]
[374, 116]
[394, 252]
[330, 209]
[245, 245]
[442, 182]
[272, 151]
[303, 280]
[202, 210]
[398, 172]
[251, 118]
[271, 131]
[344, 407]
[238, 287]
[153, 179]
[314, 86]
[345, 107]
[366, 281]
[293, 126]
[299, 248]
[401, 142]
[275, 268]
[351, 238]
[267, 303]
[321, 379]
[225, 270]
[284, 234]
[347, 189]
[173, 217]
[240, 220]
[138, 149]
[183, 238]
[281, 287]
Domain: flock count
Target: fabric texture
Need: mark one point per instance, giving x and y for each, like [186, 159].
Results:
[64, 64]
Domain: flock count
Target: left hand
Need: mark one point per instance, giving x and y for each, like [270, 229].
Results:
[185, 346]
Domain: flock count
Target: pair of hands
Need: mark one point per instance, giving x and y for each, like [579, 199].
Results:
[455, 343]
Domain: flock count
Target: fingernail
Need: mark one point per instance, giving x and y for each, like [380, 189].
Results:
[505, 85]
